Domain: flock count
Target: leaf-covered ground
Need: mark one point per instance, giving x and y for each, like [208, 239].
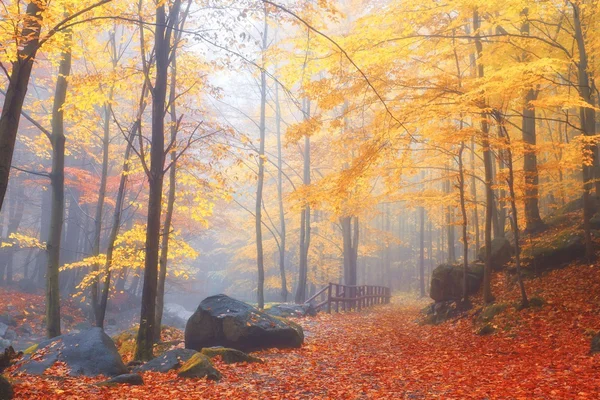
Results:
[385, 353]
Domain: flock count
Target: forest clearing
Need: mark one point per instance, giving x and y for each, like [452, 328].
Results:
[303, 199]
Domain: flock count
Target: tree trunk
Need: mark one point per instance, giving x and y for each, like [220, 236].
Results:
[588, 126]
[17, 89]
[99, 317]
[464, 224]
[304, 222]
[57, 178]
[282, 235]
[487, 163]
[422, 251]
[164, 251]
[162, 36]
[260, 296]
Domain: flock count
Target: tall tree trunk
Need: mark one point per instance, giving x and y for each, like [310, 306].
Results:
[164, 251]
[304, 221]
[282, 234]
[474, 196]
[57, 178]
[17, 89]
[162, 36]
[450, 225]
[487, 163]
[513, 205]
[588, 126]
[422, 251]
[260, 296]
[99, 319]
[464, 224]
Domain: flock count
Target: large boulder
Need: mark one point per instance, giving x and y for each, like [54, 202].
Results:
[502, 252]
[170, 360]
[88, 353]
[6, 390]
[223, 321]
[287, 310]
[447, 281]
[554, 250]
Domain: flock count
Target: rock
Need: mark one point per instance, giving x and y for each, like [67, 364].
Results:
[287, 310]
[172, 359]
[229, 356]
[26, 329]
[447, 281]
[10, 334]
[199, 366]
[3, 329]
[28, 286]
[125, 379]
[560, 249]
[6, 391]
[8, 320]
[88, 353]
[83, 326]
[223, 321]
[502, 252]
[111, 322]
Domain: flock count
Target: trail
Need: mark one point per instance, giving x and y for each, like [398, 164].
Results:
[384, 353]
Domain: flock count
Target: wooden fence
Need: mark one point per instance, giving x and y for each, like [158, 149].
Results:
[348, 298]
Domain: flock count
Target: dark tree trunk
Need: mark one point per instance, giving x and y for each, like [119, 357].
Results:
[17, 89]
[57, 178]
[163, 30]
[282, 233]
[487, 163]
[260, 296]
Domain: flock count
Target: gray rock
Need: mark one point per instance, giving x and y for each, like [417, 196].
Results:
[447, 281]
[3, 329]
[4, 344]
[26, 329]
[286, 310]
[172, 359]
[10, 334]
[88, 353]
[223, 321]
[125, 379]
[8, 320]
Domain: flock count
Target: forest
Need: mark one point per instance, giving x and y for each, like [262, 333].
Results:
[318, 199]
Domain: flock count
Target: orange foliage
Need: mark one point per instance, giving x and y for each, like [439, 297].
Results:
[384, 353]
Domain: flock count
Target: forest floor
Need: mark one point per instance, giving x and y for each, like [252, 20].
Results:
[386, 353]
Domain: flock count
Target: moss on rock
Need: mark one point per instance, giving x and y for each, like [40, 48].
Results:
[229, 356]
[199, 366]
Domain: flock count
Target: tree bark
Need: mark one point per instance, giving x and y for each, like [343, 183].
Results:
[57, 178]
[588, 126]
[304, 222]
[164, 251]
[17, 89]
[487, 162]
[282, 233]
[260, 296]
[162, 36]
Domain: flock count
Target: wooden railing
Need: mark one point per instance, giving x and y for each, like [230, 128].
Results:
[350, 297]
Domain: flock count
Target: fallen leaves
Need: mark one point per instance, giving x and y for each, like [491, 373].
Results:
[384, 353]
